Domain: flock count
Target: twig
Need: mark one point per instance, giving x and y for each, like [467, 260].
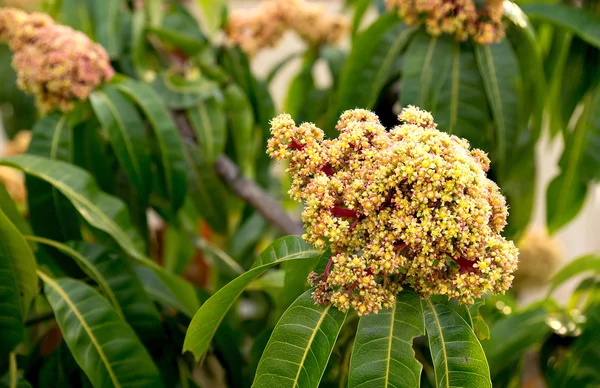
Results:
[244, 188]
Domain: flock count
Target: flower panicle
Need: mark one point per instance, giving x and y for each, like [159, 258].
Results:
[409, 207]
[462, 18]
[58, 65]
[265, 26]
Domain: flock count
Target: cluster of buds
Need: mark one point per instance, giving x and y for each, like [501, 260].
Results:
[462, 18]
[407, 207]
[539, 257]
[13, 180]
[265, 26]
[55, 63]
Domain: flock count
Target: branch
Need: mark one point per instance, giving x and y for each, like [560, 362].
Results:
[244, 188]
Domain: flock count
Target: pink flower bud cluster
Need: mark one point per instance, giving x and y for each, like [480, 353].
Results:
[462, 18]
[58, 65]
[407, 207]
[265, 26]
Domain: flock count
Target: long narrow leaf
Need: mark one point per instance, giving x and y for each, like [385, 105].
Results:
[167, 136]
[383, 355]
[458, 358]
[213, 311]
[300, 346]
[104, 346]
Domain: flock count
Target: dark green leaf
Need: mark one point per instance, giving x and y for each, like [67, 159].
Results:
[462, 108]
[209, 317]
[458, 358]
[76, 13]
[580, 21]
[368, 66]
[361, 7]
[579, 164]
[104, 346]
[105, 212]
[298, 102]
[206, 189]
[178, 92]
[180, 30]
[12, 212]
[280, 65]
[137, 307]
[158, 292]
[240, 121]
[425, 70]
[169, 141]
[300, 346]
[383, 355]
[127, 135]
[106, 25]
[51, 214]
[208, 120]
[88, 268]
[501, 80]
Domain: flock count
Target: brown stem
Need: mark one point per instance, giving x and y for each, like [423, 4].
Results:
[244, 188]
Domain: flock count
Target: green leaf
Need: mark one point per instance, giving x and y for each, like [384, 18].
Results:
[512, 336]
[580, 21]
[501, 80]
[212, 13]
[458, 358]
[240, 121]
[425, 70]
[206, 189]
[178, 92]
[208, 120]
[361, 8]
[383, 355]
[104, 346]
[158, 292]
[180, 30]
[300, 346]
[51, 214]
[106, 25]
[17, 288]
[575, 267]
[461, 107]
[16, 251]
[480, 327]
[104, 212]
[368, 66]
[127, 136]
[170, 144]
[76, 13]
[274, 72]
[137, 307]
[88, 268]
[10, 210]
[579, 165]
[298, 102]
[523, 39]
[213, 311]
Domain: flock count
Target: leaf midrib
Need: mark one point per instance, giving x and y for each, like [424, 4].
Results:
[498, 106]
[310, 341]
[427, 73]
[84, 324]
[442, 342]
[389, 352]
[53, 151]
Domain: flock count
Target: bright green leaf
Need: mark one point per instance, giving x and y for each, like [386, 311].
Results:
[300, 345]
[383, 355]
[213, 311]
[458, 358]
[575, 267]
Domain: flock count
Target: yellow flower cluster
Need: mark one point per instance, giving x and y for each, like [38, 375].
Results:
[265, 26]
[13, 180]
[461, 18]
[539, 257]
[57, 64]
[409, 207]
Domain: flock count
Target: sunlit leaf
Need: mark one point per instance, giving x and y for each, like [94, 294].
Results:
[300, 345]
[383, 355]
[575, 267]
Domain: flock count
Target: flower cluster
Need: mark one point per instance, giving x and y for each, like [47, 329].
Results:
[265, 26]
[462, 18]
[13, 180]
[409, 207]
[57, 64]
[539, 257]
